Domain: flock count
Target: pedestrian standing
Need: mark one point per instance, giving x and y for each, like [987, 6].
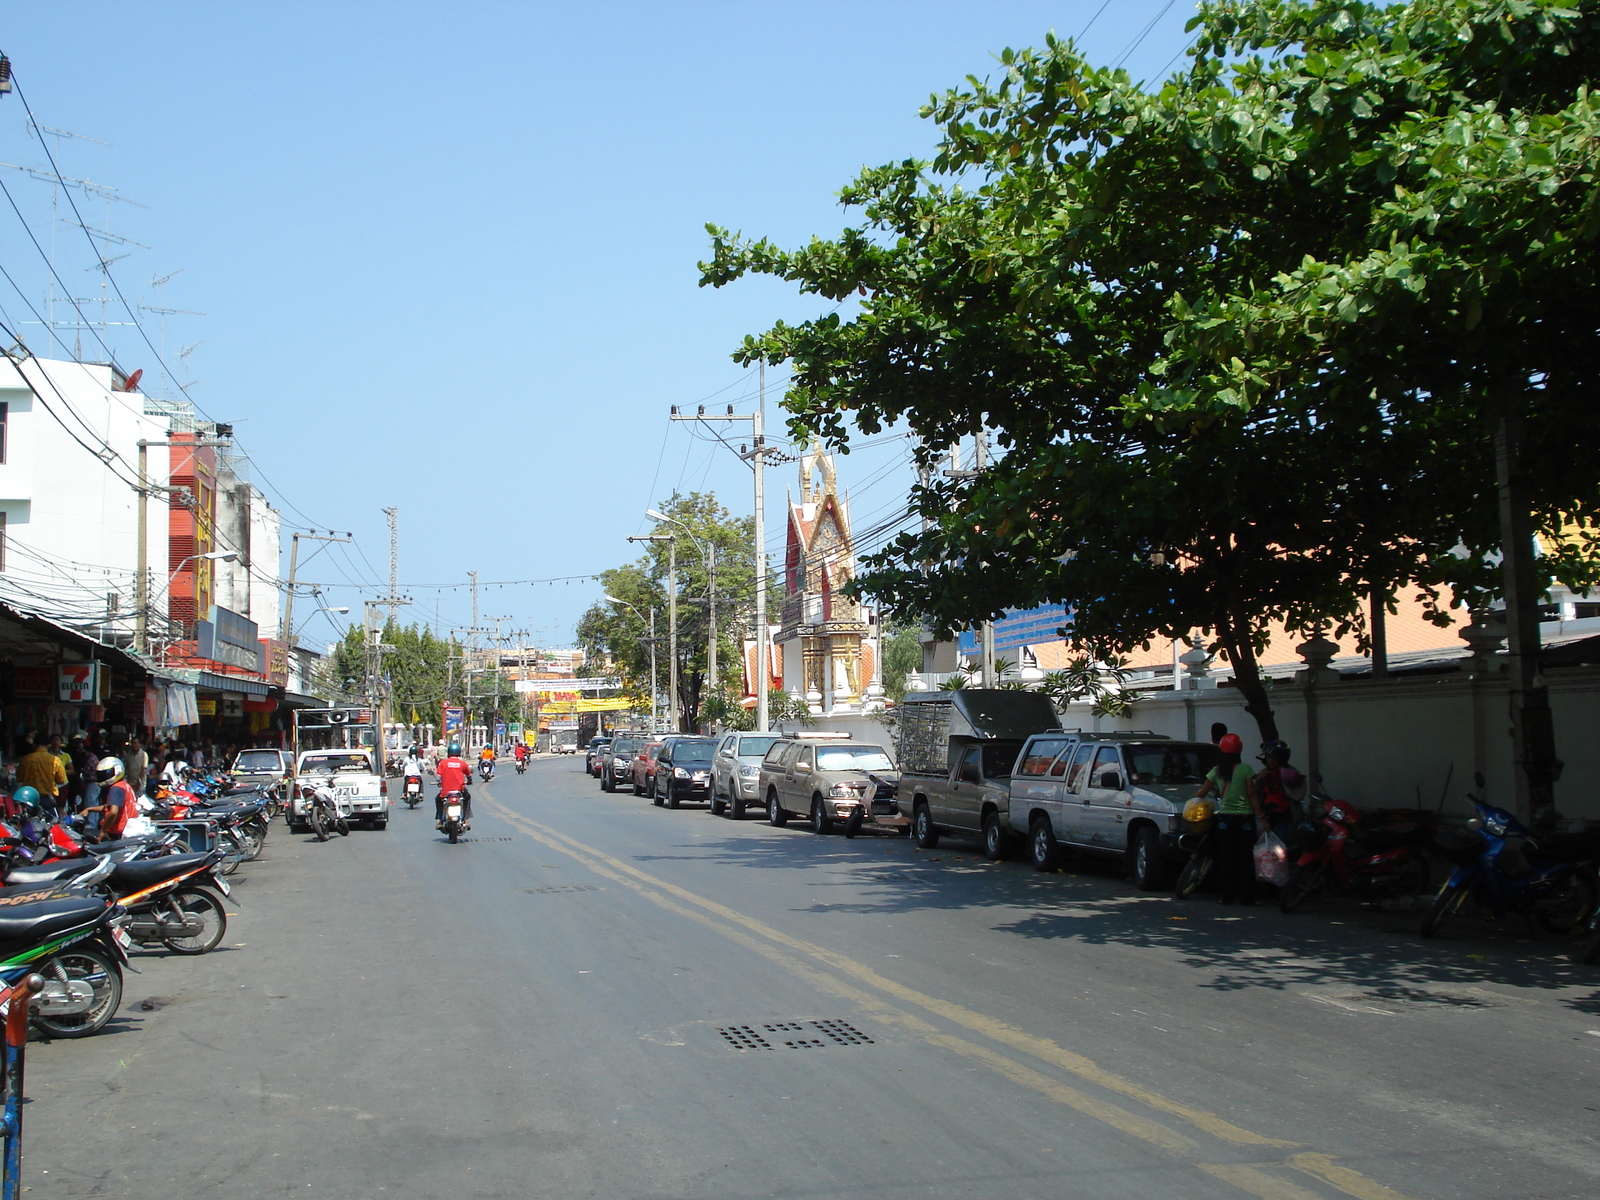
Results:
[137, 763]
[42, 771]
[1238, 814]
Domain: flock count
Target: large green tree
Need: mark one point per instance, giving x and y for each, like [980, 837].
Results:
[1228, 393]
[704, 528]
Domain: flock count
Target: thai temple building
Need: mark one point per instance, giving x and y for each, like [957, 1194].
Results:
[826, 648]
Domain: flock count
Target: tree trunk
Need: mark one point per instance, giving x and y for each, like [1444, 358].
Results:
[1235, 634]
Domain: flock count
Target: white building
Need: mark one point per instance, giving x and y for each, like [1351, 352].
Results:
[68, 504]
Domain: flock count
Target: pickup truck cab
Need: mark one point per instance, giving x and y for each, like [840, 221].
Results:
[1114, 794]
[260, 768]
[360, 792]
[957, 750]
[828, 777]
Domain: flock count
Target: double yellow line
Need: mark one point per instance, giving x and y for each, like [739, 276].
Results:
[838, 975]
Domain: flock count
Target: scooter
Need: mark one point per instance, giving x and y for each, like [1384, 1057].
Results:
[413, 791]
[485, 769]
[522, 765]
[1374, 858]
[455, 823]
[1508, 867]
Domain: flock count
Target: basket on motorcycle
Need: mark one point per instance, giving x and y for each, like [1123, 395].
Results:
[1459, 846]
[199, 835]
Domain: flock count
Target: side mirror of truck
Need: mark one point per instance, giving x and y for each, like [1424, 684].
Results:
[1111, 781]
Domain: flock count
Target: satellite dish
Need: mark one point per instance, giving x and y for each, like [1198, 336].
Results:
[133, 381]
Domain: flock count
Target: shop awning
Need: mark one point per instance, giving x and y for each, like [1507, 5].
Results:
[232, 683]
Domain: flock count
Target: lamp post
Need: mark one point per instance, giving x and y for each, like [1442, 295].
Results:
[655, 720]
[709, 558]
[672, 621]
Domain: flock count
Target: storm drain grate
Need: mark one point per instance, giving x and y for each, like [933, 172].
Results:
[742, 1037]
[560, 890]
[840, 1033]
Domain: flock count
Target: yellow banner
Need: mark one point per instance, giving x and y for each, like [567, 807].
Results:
[557, 708]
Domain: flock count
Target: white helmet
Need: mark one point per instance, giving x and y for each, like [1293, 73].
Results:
[109, 771]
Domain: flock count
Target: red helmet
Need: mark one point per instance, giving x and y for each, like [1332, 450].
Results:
[1231, 743]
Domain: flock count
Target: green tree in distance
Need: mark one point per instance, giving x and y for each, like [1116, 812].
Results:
[1227, 390]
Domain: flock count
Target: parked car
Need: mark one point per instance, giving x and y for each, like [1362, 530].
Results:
[956, 754]
[644, 766]
[260, 768]
[829, 777]
[1116, 794]
[617, 762]
[597, 748]
[683, 771]
[736, 772]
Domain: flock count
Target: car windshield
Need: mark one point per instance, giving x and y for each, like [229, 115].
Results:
[853, 758]
[698, 752]
[624, 746]
[337, 762]
[1172, 763]
[754, 747]
[258, 760]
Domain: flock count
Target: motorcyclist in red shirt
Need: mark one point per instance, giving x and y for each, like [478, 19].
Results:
[453, 773]
[521, 752]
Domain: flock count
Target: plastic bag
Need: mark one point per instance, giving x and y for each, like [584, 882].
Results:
[1272, 859]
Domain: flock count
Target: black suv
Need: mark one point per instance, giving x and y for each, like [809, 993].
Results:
[683, 771]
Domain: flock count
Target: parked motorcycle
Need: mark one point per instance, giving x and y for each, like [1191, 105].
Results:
[413, 791]
[174, 901]
[1369, 857]
[1199, 838]
[322, 811]
[454, 819]
[70, 938]
[1508, 868]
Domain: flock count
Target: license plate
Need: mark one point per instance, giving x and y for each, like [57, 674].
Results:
[121, 934]
[223, 884]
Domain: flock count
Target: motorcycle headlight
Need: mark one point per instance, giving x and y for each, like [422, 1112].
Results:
[679, 773]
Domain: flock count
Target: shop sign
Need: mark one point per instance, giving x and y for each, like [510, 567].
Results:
[453, 719]
[231, 639]
[206, 707]
[232, 705]
[36, 683]
[76, 683]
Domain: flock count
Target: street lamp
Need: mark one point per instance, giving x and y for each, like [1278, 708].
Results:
[655, 719]
[211, 555]
[710, 561]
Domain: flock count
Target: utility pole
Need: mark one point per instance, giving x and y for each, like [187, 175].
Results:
[393, 599]
[756, 456]
[711, 616]
[467, 655]
[286, 632]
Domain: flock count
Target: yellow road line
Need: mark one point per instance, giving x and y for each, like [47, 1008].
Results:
[1247, 1178]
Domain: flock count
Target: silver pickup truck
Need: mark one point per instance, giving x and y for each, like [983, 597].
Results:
[1117, 794]
[957, 749]
[359, 791]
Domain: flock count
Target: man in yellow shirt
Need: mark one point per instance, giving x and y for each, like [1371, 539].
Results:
[43, 771]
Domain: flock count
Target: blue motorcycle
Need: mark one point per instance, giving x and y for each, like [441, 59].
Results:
[1508, 868]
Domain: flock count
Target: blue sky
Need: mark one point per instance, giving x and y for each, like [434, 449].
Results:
[447, 253]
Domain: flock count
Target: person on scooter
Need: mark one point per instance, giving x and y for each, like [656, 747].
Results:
[454, 775]
[486, 763]
[521, 754]
[118, 801]
[1238, 811]
[1279, 787]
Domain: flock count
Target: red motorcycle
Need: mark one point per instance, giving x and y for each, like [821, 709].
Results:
[1369, 857]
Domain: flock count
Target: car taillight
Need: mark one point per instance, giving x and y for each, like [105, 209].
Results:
[383, 787]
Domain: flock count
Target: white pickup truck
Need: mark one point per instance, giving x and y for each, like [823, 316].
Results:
[361, 793]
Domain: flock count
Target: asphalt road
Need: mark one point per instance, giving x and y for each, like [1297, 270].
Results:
[596, 997]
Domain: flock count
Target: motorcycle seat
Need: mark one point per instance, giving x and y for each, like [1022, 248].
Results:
[143, 872]
[1565, 847]
[49, 872]
[122, 843]
[44, 918]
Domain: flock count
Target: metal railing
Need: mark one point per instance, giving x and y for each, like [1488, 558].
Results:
[16, 1000]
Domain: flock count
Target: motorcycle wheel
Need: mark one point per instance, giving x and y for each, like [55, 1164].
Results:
[455, 832]
[317, 826]
[1567, 905]
[1449, 899]
[1304, 882]
[853, 823]
[95, 967]
[1192, 876]
[201, 903]
[343, 826]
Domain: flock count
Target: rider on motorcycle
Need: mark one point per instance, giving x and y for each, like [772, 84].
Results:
[486, 758]
[454, 773]
[521, 753]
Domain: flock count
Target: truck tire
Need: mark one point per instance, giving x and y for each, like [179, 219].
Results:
[996, 842]
[820, 821]
[1148, 866]
[775, 814]
[736, 807]
[1042, 848]
[923, 831]
[605, 782]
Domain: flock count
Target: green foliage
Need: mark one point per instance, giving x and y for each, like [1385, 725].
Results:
[623, 632]
[901, 647]
[1242, 338]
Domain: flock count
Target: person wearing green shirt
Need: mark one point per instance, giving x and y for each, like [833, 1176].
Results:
[1238, 814]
